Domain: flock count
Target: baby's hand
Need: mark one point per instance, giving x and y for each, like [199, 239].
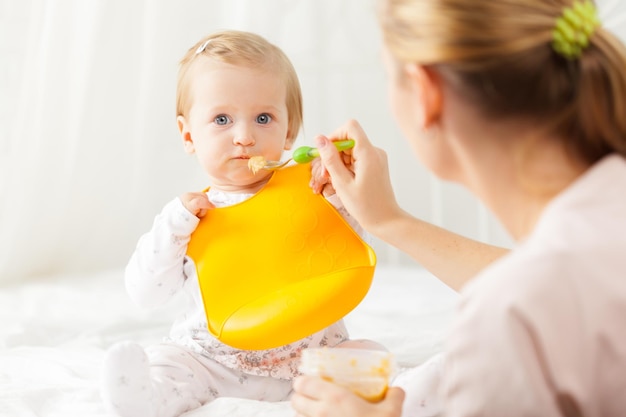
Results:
[197, 203]
[320, 180]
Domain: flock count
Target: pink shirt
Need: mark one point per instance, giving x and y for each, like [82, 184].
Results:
[542, 332]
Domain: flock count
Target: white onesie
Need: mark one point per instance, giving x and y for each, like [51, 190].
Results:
[191, 367]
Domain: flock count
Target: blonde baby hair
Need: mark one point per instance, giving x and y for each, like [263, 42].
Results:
[500, 56]
[242, 49]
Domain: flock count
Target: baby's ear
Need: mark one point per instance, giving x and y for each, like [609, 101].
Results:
[289, 142]
[185, 134]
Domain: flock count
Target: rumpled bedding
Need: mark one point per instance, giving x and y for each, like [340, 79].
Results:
[54, 332]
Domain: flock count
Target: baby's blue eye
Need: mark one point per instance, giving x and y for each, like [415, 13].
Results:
[221, 120]
[263, 118]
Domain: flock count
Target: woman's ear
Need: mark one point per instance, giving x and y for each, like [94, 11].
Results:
[185, 134]
[427, 85]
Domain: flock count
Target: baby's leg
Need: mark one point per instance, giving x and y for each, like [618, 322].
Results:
[163, 381]
[361, 344]
[421, 385]
[238, 384]
[126, 386]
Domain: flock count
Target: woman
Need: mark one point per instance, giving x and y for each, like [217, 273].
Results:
[524, 103]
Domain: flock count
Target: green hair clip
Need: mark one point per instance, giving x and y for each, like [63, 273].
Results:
[573, 29]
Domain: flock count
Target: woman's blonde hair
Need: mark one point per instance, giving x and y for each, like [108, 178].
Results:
[243, 49]
[498, 54]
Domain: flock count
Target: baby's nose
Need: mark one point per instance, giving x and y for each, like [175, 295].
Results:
[244, 137]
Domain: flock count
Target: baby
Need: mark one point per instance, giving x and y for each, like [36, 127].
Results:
[237, 96]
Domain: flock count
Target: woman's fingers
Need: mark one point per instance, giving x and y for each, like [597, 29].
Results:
[315, 397]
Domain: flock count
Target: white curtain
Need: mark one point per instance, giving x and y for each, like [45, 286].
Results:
[89, 150]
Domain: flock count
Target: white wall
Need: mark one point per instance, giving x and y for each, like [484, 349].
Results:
[89, 150]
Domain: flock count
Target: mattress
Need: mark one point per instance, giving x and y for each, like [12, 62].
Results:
[54, 331]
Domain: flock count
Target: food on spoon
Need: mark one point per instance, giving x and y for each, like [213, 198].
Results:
[256, 163]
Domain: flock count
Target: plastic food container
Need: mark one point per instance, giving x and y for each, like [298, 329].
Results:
[364, 372]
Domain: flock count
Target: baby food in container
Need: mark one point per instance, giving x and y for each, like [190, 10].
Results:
[364, 372]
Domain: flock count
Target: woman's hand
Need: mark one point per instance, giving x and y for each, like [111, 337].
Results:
[360, 177]
[197, 203]
[315, 397]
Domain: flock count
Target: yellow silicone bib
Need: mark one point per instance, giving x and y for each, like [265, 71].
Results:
[279, 266]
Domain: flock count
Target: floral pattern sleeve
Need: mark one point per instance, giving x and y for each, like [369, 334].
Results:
[156, 270]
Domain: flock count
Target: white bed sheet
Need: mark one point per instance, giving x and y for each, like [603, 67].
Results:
[54, 332]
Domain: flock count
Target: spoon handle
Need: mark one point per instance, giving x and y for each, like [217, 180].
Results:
[305, 154]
